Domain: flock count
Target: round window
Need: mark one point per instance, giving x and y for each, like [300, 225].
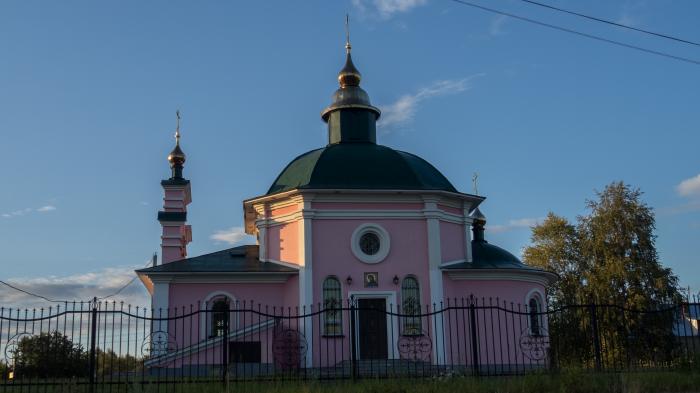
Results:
[369, 243]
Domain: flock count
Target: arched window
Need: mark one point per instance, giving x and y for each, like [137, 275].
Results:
[410, 306]
[220, 309]
[534, 310]
[332, 304]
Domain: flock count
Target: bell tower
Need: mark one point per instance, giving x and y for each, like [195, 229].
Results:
[177, 195]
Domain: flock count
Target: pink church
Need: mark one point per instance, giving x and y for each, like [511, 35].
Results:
[360, 250]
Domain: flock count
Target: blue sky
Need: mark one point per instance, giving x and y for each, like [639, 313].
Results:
[88, 92]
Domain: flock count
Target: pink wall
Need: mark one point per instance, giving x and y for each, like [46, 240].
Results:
[502, 321]
[283, 242]
[452, 241]
[366, 206]
[280, 211]
[332, 255]
[453, 210]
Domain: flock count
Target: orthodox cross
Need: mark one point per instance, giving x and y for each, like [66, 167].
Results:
[347, 33]
[475, 177]
[177, 130]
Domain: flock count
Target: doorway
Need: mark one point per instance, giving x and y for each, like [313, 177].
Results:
[372, 328]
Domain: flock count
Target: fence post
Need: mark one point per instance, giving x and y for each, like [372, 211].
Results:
[596, 337]
[224, 350]
[473, 334]
[353, 343]
[93, 342]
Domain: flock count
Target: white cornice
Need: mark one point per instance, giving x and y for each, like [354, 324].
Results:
[281, 263]
[450, 263]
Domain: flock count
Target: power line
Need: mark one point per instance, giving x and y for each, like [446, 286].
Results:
[33, 294]
[567, 30]
[151, 262]
[611, 22]
[69, 301]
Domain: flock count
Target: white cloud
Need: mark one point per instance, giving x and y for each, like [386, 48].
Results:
[27, 210]
[403, 110]
[387, 8]
[233, 235]
[78, 287]
[497, 23]
[627, 20]
[689, 187]
[515, 224]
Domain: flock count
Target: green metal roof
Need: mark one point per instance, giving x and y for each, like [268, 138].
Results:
[360, 166]
[489, 256]
[238, 259]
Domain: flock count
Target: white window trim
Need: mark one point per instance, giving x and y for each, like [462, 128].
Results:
[384, 243]
[323, 300]
[536, 294]
[205, 321]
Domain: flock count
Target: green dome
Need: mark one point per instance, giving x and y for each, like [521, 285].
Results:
[360, 166]
[489, 256]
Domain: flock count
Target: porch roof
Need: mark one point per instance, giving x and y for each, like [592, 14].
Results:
[237, 259]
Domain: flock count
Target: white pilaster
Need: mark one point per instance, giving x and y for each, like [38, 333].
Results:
[306, 283]
[436, 285]
[160, 305]
[468, 237]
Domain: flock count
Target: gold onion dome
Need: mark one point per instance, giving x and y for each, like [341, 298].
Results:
[349, 75]
[177, 156]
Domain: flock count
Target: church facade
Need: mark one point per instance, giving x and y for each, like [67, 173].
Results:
[351, 227]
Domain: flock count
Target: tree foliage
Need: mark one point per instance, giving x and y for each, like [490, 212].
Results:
[54, 355]
[49, 355]
[608, 257]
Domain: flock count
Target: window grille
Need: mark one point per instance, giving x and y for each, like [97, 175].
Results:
[219, 317]
[332, 304]
[534, 306]
[410, 304]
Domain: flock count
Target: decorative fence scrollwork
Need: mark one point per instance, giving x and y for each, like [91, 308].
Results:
[289, 349]
[535, 346]
[415, 347]
[12, 346]
[157, 344]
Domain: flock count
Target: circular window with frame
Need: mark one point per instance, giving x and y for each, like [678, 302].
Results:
[370, 243]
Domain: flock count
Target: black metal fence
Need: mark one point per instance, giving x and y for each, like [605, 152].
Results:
[96, 345]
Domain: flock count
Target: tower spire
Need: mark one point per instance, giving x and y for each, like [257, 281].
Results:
[350, 117]
[177, 129]
[177, 157]
[348, 47]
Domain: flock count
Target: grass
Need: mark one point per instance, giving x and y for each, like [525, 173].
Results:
[566, 382]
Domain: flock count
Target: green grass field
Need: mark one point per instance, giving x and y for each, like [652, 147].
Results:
[568, 382]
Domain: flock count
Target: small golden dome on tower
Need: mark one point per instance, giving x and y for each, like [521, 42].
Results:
[177, 156]
[349, 75]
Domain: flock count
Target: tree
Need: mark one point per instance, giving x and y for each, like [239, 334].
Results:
[556, 248]
[49, 355]
[608, 257]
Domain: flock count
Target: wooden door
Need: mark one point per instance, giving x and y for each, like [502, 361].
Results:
[372, 328]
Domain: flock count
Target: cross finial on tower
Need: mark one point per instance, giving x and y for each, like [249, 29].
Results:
[475, 177]
[177, 129]
[348, 47]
